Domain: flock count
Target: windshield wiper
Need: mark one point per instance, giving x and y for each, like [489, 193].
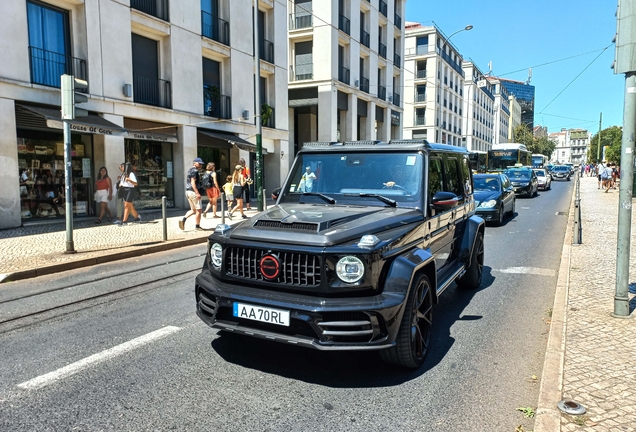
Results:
[382, 198]
[320, 195]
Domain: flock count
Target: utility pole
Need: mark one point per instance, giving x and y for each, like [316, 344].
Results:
[625, 62]
[598, 147]
[257, 113]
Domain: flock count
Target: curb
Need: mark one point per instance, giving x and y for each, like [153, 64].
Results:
[548, 416]
[102, 259]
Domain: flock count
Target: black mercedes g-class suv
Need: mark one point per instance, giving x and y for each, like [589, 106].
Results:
[363, 239]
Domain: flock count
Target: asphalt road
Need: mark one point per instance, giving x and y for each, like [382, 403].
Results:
[141, 359]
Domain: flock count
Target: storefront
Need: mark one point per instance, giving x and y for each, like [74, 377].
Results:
[41, 161]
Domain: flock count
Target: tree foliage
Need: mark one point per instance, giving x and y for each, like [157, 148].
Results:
[611, 138]
[543, 145]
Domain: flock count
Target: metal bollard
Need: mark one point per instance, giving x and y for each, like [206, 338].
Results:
[164, 217]
[223, 208]
[264, 199]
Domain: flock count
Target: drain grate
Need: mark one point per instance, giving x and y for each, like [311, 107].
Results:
[561, 213]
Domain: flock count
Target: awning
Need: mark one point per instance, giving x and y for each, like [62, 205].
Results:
[52, 118]
[223, 139]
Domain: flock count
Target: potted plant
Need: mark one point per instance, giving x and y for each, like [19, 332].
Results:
[266, 113]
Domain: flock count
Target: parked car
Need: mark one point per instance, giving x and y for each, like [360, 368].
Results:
[524, 181]
[570, 166]
[358, 262]
[494, 197]
[544, 179]
[549, 167]
[561, 172]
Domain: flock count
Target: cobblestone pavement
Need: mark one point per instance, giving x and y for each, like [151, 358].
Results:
[600, 352]
[38, 245]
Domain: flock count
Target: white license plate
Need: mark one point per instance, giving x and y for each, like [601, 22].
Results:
[260, 313]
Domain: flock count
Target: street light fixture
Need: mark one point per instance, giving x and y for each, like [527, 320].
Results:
[468, 27]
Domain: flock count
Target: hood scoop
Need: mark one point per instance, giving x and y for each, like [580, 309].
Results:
[294, 226]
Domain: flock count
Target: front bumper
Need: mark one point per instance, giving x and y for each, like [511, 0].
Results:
[331, 324]
[523, 190]
[488, 214]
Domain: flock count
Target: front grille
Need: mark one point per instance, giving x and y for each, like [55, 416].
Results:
[296, 226]
[296, 269]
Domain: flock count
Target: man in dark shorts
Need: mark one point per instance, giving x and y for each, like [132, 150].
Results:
[193, 194]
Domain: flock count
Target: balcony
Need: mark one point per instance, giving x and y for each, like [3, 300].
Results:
[301, 72]
[48, 66]
[397, 60]
[381, 92]
[420, 97]
[382, 50]
[344, 24]
[343, 75]
[421, 49]
[396, 99]
[364, 84]
[365, 38]
[151, 91]
[215, 104]
[266, 50]
[215, 28]
[156, 8]
[421, 74]
[420, 120]
[397, 20]
[268, 116]
[382, 7]
[301, 21]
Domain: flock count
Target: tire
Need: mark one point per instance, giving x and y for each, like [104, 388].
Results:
[536, 192]
[414, 336]
[500, 216]
[512, 210]
[472, 278]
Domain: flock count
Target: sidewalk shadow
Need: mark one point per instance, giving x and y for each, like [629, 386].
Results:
[349, 369]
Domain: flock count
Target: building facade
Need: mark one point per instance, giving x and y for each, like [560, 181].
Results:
[345, 70]
[434, 87]
[501, 118]
[515, 117]
[168, 81]
[479, 106]
[524, 93]
[571, 146]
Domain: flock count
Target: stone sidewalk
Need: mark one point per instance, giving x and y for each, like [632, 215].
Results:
[591, 355]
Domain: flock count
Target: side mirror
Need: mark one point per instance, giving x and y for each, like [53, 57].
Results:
[444, 200]
[275, 193]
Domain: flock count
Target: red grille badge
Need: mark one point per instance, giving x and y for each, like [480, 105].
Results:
[270, 267]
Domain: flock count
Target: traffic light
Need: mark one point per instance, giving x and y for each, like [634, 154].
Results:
[625, 39]
[70, 97]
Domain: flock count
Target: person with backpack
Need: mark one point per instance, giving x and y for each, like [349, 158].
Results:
[193, 194]
[600, 169]
[211, 186]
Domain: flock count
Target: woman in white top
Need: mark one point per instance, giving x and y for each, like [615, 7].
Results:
[127, 184]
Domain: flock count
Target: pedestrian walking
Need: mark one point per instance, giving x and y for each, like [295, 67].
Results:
[128, 184]
[194, 195]
[211, 186]
[103, 194]
[600, 169]
[228, 188]
[238, 185]
[248, 181]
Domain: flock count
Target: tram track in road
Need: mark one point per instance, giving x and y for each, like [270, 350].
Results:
[30, 317]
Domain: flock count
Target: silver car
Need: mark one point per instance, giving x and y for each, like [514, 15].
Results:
[545, 179]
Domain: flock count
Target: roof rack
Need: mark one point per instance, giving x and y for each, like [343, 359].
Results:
[363, 143]
[321, 143]
[409, 141]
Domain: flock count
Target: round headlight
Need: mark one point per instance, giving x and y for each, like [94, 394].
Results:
[216, 253]
[489, 204]
[350, 269]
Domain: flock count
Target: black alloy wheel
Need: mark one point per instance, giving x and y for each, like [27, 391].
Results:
[472, 278]
[512, 209]
[500, 215]
[414, 336]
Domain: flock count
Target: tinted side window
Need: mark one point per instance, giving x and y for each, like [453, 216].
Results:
[435, 177]
[452, 176]
[467, 176]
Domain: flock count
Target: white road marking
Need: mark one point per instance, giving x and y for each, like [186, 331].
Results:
[525, 208]
[528, 270]
[73, 368]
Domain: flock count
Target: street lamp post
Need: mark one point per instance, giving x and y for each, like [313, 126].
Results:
[468, 27]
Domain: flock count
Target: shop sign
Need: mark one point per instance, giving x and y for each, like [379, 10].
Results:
[86, 128]
[395, 118]
[151, 137]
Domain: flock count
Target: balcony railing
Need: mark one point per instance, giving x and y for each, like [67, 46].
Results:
[215, 28]
[396, 99]
[300, 21]
[343, 75]
[156, 8]
[151, 91]
[381, 92]
[301, 72]
[420, 120]
[215, 104]
[344, 24]
[382, 50]
[364, 84]
[397, 60]
[420, 97]
[270, 121]
[48, 66]
[365, 38]
[397, 20]
[382, 7]
[266, 50]
[421, 73]
[421, 49]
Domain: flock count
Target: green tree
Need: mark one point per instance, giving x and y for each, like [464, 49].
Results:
[545, 146]
[612, 139]
[523, 135]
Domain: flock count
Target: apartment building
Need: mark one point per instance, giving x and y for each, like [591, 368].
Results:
[479, 106]
[345, 70]
[515, 116]
[168, 81]
[572, 145]
[434, 87]
[501, 120]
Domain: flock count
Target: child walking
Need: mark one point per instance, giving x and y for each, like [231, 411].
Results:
[228, 188]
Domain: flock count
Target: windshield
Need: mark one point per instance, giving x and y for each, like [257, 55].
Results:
[514, 174]
[540, 173]
[561, 168]
[486, 183]
[347, 177]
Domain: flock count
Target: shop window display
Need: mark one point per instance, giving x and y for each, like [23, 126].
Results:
[152, 162]
[41, 173]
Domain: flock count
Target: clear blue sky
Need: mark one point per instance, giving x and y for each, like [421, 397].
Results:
[516, 35]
